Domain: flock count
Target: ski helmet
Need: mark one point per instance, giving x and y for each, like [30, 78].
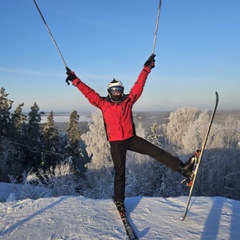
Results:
[115, 86]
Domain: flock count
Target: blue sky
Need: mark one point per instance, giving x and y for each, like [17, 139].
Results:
[197, 51]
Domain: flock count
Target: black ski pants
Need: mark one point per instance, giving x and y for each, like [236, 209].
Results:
[140, 145]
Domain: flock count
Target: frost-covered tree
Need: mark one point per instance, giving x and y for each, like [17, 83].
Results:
[178, 125]
[195, 133]
[146, 176]
[154, 136]
[143, 174]
[51, 183]
[99, 172]
[231, 132]
[220, 166]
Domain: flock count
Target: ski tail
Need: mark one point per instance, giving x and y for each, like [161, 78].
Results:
[129, 230]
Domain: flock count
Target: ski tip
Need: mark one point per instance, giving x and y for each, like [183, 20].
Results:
[217, 96]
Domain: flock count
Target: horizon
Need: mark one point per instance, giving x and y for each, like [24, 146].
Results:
[134, 111]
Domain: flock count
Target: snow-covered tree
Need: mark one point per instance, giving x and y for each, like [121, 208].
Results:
[154, 135]
[231, 132]
[195, 133]
[143, 174]
[178, 125]
[146, 176]
[99, 172]
[51, 183]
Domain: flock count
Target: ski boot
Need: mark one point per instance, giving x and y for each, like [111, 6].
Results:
[120, 207]
[187, 169]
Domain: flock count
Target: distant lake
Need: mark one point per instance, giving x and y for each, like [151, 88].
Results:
[149, 117]
[64, 117]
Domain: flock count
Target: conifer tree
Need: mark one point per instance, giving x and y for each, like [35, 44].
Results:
[5, 118]
[73, 148]
[33, 138]
[17, 152]
[10, 154]
[18, 120]
[73, 135]
[34, 119]
[51, 139]
[5, 126]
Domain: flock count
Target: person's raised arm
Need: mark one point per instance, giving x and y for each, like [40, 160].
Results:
[137, 88]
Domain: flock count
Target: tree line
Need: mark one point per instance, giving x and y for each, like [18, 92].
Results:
[27, 145]
[41, 152]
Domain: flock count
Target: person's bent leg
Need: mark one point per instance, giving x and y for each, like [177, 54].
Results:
[142, 146]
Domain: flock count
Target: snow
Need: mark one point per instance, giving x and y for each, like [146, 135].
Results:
[77, 217]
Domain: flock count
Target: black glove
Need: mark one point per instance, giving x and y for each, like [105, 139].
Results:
[71, 75]
[150, 62]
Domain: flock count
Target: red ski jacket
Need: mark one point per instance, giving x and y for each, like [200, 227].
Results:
[117, 117]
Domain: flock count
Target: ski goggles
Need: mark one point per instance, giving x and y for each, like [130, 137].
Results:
[116, 89]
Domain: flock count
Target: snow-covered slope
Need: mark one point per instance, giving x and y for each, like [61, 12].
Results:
[75, 218]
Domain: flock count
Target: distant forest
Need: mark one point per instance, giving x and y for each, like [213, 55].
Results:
[74, 157]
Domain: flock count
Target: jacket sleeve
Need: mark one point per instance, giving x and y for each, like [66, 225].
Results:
[137, 89]
[92, 96]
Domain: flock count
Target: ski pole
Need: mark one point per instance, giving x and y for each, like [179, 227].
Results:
[156, 27]
[55, 43]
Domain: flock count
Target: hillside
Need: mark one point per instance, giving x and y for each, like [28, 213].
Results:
[76, 218]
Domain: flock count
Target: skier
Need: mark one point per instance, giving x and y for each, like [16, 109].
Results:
[116, 109]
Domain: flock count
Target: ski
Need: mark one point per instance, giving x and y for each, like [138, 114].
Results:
[129, 230]
[198, 159]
